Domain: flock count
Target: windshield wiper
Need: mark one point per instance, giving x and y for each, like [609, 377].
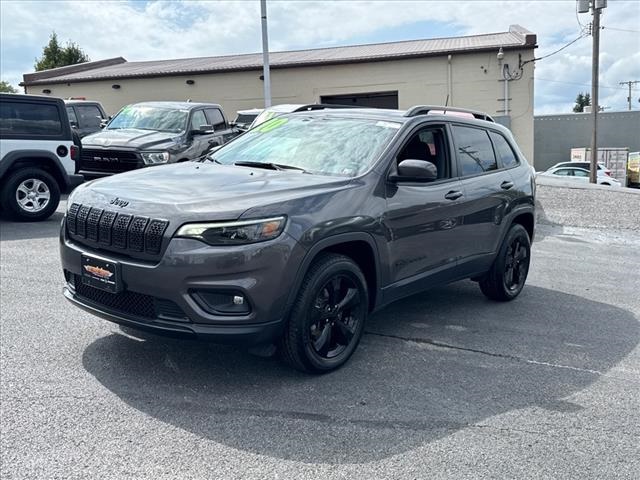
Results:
[268, 165]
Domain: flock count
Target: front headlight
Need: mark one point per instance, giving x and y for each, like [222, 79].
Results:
[154, 158]
[234, 233]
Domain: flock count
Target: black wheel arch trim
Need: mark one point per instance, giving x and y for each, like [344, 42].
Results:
[512, 216]
[11, 158]
[332, 241]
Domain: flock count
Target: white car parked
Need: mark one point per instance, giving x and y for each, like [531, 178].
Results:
[580, 175]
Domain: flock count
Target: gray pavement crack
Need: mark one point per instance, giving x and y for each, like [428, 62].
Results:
[483, 352]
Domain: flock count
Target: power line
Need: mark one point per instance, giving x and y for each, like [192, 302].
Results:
[580, 84]
[582, 35]
[621, 29]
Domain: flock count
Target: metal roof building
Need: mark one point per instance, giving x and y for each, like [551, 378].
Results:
[464, 70]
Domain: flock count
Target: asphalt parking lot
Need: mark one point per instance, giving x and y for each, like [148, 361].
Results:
[444, 385]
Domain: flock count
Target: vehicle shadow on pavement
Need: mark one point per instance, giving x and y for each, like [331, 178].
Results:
[428, 366]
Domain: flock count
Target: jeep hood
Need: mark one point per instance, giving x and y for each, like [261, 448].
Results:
[194, 191]
[130, 138]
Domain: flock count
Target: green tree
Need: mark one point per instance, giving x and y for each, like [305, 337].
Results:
[54, 55]
[6, 87]
[582, 100]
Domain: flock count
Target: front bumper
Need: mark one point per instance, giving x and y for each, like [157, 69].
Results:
[263, 273]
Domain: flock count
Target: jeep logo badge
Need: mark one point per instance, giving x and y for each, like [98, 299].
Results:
[119, 203]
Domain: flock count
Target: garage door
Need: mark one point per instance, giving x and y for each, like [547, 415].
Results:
[372, 99]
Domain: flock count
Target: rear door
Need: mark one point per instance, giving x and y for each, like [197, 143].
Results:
[488, 192]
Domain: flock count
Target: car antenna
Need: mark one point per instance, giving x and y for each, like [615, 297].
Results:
[446, 102]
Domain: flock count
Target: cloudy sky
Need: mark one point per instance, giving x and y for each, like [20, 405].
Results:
[152, 30]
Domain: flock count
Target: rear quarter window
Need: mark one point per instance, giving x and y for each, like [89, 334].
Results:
[505, 153]
[20, 118]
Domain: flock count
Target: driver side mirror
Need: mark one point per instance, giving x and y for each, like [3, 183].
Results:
[411, 170]
[203, 130]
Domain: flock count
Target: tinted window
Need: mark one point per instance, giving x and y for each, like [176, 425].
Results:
[474, 150]
[503, 150]
[29, 119]
[89, 116]
[198, 119]
[72, 115]
[580, 173]
[429, 145]
[563, 172]
[215, 118]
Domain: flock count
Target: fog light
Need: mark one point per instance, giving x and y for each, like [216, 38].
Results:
[222, 303]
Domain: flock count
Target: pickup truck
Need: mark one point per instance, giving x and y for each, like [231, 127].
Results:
[154, 133]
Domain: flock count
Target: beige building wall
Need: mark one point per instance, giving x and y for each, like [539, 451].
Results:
[472, 80]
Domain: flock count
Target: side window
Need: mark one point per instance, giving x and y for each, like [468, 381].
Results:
[89, 116]
[29, 119]
[215, 118]
[503, 150]
[427, 144]
[580, 173]
[564, 172]
[198, 119]
[473, 150]
[72, 115]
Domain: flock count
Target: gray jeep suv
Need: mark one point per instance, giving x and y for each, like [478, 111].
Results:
[294, 232]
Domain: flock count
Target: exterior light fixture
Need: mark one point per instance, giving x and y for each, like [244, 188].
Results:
[190, 82]
[115, 86]
[46, 91]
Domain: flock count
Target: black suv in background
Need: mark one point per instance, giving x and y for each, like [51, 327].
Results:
[85, 116]
[154, 133]
[294, 232]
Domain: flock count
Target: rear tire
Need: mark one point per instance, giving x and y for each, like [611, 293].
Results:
[506, 278]
[328, 316]
[30, 195]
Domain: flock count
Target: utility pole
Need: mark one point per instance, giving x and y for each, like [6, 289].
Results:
[596, 7]
[630, 83]
[265, 55]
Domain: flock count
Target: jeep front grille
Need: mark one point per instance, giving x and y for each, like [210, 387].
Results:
[119, 230]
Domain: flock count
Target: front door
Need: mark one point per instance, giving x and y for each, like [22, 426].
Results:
[422, 219]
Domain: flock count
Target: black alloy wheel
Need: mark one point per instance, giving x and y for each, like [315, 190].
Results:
[327, 319]
[516, 265]
[508, 274]
[336, 314]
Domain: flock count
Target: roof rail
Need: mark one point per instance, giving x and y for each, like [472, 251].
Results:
[322, 106]
[440, 110]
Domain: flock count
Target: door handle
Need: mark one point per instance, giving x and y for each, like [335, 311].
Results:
[453, 195]
[506, 185]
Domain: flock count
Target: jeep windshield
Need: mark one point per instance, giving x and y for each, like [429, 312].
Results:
[143, 117]
[323, 144]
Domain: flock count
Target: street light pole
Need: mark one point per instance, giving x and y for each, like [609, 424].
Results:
[265, 55]
[595, 31]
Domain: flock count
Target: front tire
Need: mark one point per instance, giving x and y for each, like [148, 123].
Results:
[30, 195]
[328, 316]
[505, 280]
